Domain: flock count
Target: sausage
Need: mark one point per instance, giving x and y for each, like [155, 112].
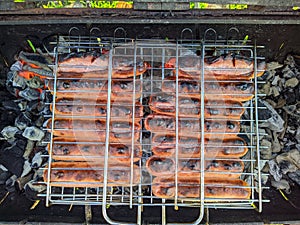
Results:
[228, 67]
[164, 187]
[190, 167]
[70, 149]
[161, 123]
[97, 108]
[233, 147]
[93, 65]
[94, 130]
[90, 174]
[213, 90]
[96, 89]
[190, 107]
[163, 103]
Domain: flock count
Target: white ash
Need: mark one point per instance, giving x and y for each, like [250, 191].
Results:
[30, 94]
[9, 132]
[17, 66]
[274, 170]
[273, 120]
[281, 184]
[37, 160]
[33, 133]
[26, 168]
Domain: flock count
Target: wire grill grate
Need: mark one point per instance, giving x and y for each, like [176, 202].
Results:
[156, 53]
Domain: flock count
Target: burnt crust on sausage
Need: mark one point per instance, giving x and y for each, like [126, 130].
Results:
[164, 104]
[121, 89]
[225, 67]
[97, 108]
[190, 167]
[233, 147]
[213, 90]
[90, 174]
[164, 187]
[161, 123]
[72, 150]
[91, 65]
[94, 130]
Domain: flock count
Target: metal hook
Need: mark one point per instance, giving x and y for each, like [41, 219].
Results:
[123, 30]
[98, 38]
[94, 29]
[237, 31]
[214, 32]
[70, 37]
[210, 30]
[184, 31]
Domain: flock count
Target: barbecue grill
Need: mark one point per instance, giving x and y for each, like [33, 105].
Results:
[156, 52]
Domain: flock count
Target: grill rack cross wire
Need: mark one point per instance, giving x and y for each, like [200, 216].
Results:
[138, 191]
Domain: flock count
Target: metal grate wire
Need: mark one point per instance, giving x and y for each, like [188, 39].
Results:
[156, 53]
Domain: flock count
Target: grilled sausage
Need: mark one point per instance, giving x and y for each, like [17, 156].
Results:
[228, 67]
[164, 187]
[166, 104]
[234, 147]
[190, 107]
[70, 149]
[213, 90]
[189, 167]
[160, 123]
[94, 130]
[97, 108]
[89, 174]
[96, 89]
[87, 65]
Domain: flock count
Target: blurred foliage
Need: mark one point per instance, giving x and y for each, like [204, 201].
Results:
[201, 5]
[122, 4]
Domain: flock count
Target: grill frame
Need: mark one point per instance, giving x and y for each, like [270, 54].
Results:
[139, 199]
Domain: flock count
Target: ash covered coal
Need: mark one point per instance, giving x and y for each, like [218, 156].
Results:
[282, 123]
[22, 108]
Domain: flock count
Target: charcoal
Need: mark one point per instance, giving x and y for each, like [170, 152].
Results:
[34, 82]
[273, 119]
[28, 149]
[21, 181]
[33, 133]
[266, 152]
[32, 190]
[26, 168]
[42, 72]
[11, 105]
[4, 175]
[274, 170]
[37, 160]
[30, 94]
[297, 136]
[9, 132]
[36, 59]
[22, 105]
[281, 184]
[10, 184]
[289, 161]
[11, 159]
[295, 176]
[273, 66]
[19, 81]
[292, 82]
[17, 66]
[23, 120]
[276, 146]
[290, 96]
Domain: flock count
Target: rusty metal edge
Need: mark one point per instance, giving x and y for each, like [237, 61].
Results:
[223, 20]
